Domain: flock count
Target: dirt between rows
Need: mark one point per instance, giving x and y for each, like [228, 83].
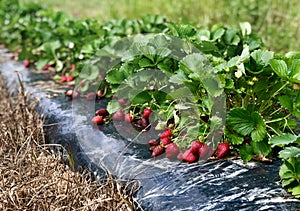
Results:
[32, 177]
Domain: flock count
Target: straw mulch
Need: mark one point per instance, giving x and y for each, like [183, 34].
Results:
[33, 178]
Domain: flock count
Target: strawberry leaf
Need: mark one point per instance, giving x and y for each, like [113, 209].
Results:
[286, 102]
[262, 57]
[283, 139]
[261, 147]
[279, 67]
[289, 152]
[295, 71]
[246, 152]
[246, 123]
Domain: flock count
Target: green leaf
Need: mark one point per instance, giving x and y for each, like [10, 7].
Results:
[218, 34]
[287, 182]
[59, 65]
[293, 54]
[193, 63]
[246, 123]
[295, 71]
[113, 106]
[283, 139]
[296, 191]
[178, 78]
[213, 86]
[142, 97]
[286, 102]
[145, 62]
[285, 173]
[279, 67]
[262, 57]
[234, 139]
[261, 147]
[246, 152]
[41, 63]
[289, 152]
[115, 76]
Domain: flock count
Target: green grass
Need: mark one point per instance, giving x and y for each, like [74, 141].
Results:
[276, 21]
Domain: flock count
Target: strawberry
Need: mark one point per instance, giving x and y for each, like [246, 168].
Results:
[196, 145]
[128, 118]
[72, 66]
[166, 133]
[119, 115]
[172, 150]
[158, 150]
[101, 76]
[179, 156]
[81, 83]
[101, 112]
[144, 122]
[100, 94]
[147, 112]
[91, 96]
[190, 157]
[26, 63]
[63, 79]
[165, 141]
[205, 151]
[151, 148]
[153, 142]
[72, 94]
[222, 150]
[46, 67]
[123, 102]
[70, 78]
[97, 120]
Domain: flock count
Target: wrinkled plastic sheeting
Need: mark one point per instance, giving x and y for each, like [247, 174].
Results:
[164, 184]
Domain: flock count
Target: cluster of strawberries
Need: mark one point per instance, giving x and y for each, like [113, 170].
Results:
[198, 150]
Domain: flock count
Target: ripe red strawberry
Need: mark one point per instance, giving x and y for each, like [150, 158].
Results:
[26, 63]
[144, 122]
[81, 83]
[91, 96]
[205, 151]
[123, 102]
[153, 142]
[128, 118]
[196, 145]
[190, 157]
[172, 150]
[72, 66]
[165, 141]
[179, 156]
[70, 78]
[46, 67]
[119, 115]
[101, 112]
[151, 148]
[222, 150]
[97, 120]
[147, 112]
[63, 79]
[166, 133]
[158, 150]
